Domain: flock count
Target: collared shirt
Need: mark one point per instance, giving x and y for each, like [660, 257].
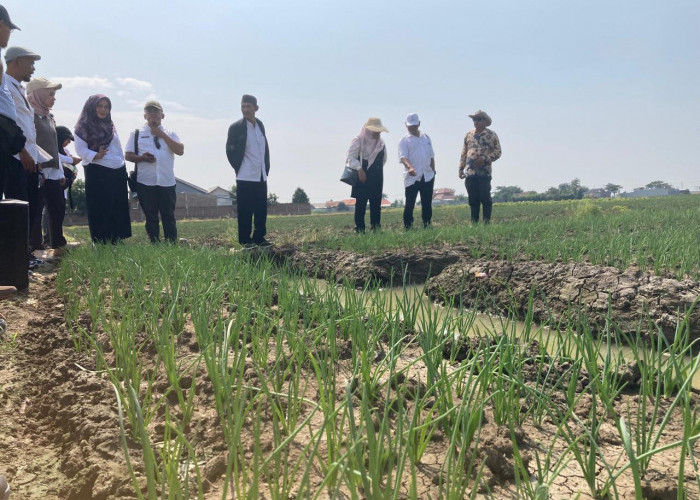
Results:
[419, 152]
[7, 104]
[113, 159]
[253, 165]
[484, 145]
[25, 115]
[162, 171]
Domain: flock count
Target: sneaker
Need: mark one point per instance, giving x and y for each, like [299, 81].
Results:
[34, 262]
[264, 243]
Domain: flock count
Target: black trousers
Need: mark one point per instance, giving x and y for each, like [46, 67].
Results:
[36, 206]
[161, 200]
[13, 179]
[251, 203]
[107, 203]
[52, 195]
[479, 193]
[426, 201]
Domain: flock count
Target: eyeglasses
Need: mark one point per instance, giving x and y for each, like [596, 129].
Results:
[157, 141]
[478, 119]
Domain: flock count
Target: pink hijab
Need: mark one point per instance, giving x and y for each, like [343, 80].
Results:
[369, 147]
[38, 99]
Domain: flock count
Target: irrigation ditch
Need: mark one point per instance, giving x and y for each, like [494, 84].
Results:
[633, 299]
[60, 426]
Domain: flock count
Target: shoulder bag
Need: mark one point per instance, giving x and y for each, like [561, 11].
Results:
[350, 175]
[133, 175]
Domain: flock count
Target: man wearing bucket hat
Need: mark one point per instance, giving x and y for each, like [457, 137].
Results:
[416, 154]
[481, 148]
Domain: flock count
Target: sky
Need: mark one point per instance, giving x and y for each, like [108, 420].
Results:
[603, 91]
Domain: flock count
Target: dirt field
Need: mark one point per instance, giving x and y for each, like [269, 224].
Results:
[59, 429]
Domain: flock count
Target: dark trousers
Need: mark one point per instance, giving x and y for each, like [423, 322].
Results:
[155, 200]
[426, 201]
[13, 179]
[36, 206]
[251, 203]
[479, 193]
[107, 202]
[52, 195]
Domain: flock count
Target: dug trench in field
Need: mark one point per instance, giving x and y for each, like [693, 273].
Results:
[629, 298]
[460, 322]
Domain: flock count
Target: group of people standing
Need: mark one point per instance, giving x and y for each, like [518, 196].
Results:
[35, 170]
[36, 167]
[367, 155]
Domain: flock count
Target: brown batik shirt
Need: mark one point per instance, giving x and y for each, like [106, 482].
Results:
[484, 145]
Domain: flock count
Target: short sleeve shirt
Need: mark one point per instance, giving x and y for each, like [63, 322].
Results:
[418, 151]
[162, 171]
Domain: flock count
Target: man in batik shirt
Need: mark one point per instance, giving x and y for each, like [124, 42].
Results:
[481, 148]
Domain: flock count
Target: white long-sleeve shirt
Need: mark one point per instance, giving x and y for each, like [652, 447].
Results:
[113, 159]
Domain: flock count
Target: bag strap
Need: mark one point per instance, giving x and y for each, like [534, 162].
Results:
[136, 151]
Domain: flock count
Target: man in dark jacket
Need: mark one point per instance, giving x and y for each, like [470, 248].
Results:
[249, 155]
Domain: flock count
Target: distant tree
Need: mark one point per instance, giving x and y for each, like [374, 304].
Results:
[272, 199]
[78, 194]
[461, 198]
[342, 207]
[232, 192]
[567, 191]
[506, 193]
[398, 202]
[613, 189]
[300, 196]
[658, 185]
[385, 196]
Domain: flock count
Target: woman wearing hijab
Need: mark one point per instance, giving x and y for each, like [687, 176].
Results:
[367, 155]
[97, 143]
[41, 94]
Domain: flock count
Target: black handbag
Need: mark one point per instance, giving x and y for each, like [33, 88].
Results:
[133, 175]
[350, 175]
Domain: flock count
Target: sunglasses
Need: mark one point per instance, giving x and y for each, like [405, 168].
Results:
[478, 119]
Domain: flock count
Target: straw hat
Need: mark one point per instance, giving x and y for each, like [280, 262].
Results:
[42, 83]
[482, 114]
[375, 125]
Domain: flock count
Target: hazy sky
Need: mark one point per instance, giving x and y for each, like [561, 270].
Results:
[603, 91]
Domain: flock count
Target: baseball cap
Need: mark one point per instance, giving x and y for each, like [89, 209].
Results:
[5, 18]
[42, 83]
[153, 104]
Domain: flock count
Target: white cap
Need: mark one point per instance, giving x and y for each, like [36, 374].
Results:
[412, 120]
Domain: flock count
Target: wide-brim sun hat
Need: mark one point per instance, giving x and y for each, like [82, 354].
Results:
[374, 124]
[482, 114]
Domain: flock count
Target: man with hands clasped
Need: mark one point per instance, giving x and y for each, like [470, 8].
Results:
[157, 148]
[417, 156]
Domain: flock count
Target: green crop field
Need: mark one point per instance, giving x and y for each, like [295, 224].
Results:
[323, 391]
[660, 234]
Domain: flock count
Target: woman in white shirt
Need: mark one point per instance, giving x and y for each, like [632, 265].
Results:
[97, 143]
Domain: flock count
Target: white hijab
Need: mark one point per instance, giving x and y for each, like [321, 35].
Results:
[369, 146]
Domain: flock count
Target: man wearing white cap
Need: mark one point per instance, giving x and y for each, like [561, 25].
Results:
[155, 176]
[20, 68]
[417, 156]
[481, 148]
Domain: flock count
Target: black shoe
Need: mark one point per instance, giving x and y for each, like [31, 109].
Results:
[34, 262]
[263, 243]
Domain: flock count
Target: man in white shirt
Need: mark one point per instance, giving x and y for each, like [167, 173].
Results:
[155, 176]
[249, 155]
[417, 156]
[12, 179]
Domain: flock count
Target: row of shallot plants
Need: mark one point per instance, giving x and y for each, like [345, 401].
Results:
[324, 390]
